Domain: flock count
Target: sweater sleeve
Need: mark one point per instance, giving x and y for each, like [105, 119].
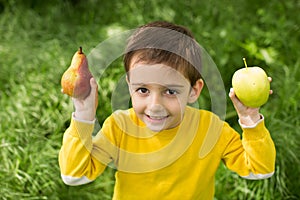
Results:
[77, 163]
[254, 156]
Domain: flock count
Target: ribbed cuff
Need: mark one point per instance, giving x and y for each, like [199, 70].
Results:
[81, 120]
[254, 125]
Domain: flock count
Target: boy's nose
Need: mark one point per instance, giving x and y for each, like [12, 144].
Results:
[155, 103]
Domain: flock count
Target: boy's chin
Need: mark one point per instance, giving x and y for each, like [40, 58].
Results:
[156, 128]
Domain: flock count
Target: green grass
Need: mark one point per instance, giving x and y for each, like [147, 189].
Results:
[38, 39]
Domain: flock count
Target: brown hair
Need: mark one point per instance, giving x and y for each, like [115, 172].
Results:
[165, 43]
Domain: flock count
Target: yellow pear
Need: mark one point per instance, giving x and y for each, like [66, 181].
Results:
[75, 81]
[251, 86]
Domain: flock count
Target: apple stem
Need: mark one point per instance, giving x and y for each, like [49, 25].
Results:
[244, 59]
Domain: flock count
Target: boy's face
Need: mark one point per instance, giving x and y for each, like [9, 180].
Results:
[160, 94]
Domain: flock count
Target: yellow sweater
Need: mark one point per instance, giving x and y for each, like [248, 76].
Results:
[179, 163]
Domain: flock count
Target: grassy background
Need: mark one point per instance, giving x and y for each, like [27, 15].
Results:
[38, 38]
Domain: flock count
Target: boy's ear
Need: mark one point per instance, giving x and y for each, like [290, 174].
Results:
[128, 83]
[127, 79]
[195, 91]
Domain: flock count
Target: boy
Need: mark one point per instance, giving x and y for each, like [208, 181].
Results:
[161, 147]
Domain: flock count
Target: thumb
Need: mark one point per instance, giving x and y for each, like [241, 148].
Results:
[93, 84]
[236, 102]
[94, 90]
[232, 94]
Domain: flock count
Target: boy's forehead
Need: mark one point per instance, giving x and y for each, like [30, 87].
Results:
[155, 73]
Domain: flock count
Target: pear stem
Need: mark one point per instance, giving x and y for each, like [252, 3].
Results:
[80, 50]
[244, 59]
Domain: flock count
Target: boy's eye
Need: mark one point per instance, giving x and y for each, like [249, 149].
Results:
[171, 92]
[142, 90]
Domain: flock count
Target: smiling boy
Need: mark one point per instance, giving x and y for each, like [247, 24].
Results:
[160, 95]
[157, 145]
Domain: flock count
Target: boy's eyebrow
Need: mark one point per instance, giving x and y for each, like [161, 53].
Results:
[165, 85]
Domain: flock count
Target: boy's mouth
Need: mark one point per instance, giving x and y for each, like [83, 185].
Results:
[157, 118]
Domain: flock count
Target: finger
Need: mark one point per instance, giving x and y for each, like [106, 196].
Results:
[235, 100]
[231, 93]
[93, 82]
[233, 97]
[94, 90]
[270, 79]
[94, 86]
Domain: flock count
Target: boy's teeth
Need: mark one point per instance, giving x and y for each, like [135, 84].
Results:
[153, 117]
[156, 117]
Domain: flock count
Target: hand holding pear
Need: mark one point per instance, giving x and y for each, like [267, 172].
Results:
[75, 81]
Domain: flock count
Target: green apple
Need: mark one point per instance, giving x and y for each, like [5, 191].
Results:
[251, 86]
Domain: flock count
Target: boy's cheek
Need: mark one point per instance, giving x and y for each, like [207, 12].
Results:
[137, 103]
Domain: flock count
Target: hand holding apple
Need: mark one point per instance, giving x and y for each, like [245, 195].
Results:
[247, 105]
[251, 86]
